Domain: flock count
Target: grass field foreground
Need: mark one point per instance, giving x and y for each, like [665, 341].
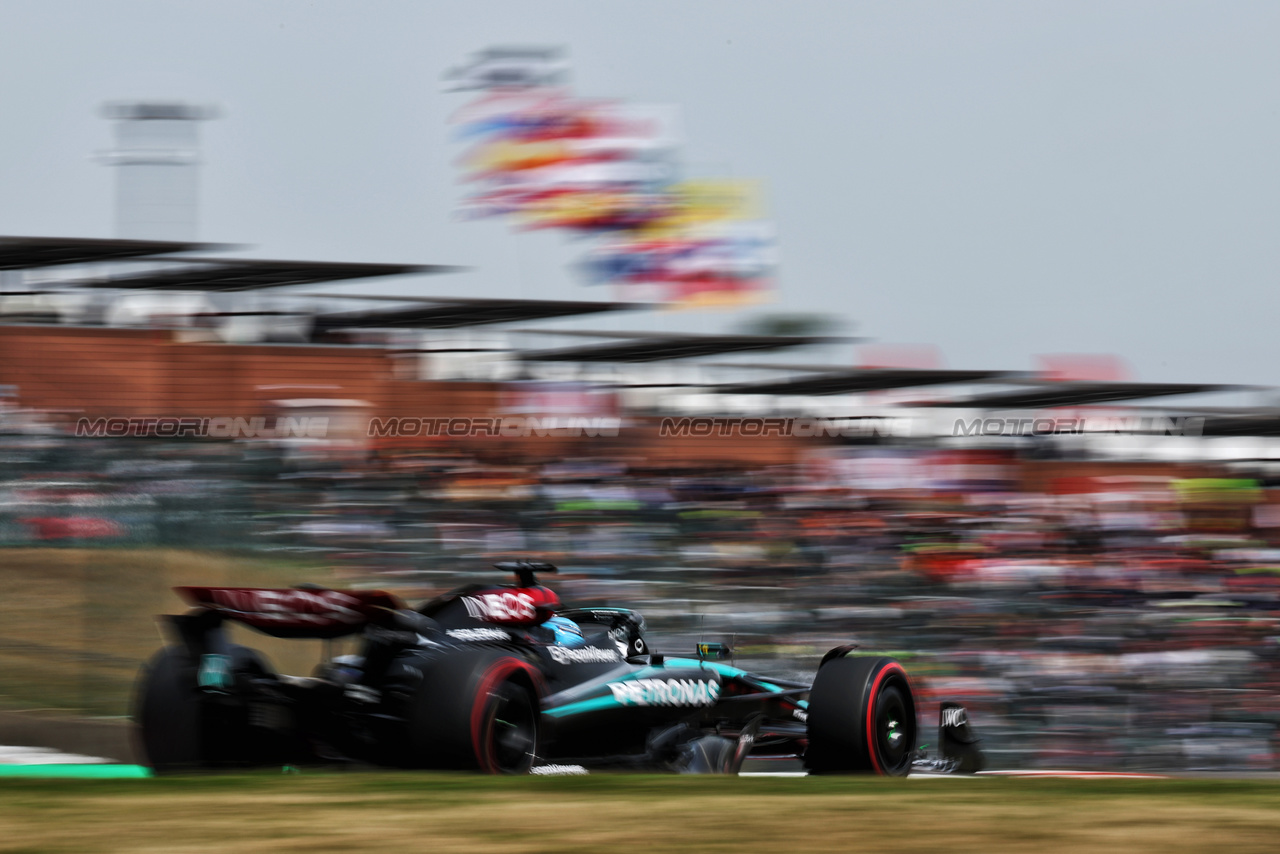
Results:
[385, 812]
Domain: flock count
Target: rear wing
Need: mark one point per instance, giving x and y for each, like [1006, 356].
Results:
[295, 612]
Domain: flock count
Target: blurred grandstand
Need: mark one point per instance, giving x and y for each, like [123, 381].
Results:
[1096, 577]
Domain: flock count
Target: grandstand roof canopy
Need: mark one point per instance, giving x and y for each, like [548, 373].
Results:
[656, 348]
[861, 379]
[1244, 424]
[1080, 394]
[589, 333]
[247, 274]
[452, 312]
[25, 253]
[783, 366]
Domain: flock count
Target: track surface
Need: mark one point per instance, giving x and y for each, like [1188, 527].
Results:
[18, 761]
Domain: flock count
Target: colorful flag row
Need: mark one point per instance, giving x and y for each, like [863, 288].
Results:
[609, 171]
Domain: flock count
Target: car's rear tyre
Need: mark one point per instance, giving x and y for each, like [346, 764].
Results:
[477, 711]
[180, 728]
[862, 718]
[167, 713]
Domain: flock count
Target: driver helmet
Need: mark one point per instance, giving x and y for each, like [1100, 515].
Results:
[566, 631]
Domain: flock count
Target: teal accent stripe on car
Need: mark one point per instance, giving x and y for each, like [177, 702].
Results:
[722, 669]
[592, 705]
[725, 670]
[607, 701]
[652, 672]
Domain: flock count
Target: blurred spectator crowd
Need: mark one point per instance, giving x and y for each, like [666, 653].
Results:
[1126, 622]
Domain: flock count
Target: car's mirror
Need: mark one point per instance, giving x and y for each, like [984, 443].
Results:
[714, 650]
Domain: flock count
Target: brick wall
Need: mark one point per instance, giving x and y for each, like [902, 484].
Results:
[96, 372]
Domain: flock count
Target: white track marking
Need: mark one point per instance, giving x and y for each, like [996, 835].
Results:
[44, 756]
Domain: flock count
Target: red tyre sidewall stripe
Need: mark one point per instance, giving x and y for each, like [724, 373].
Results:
[871, 711]
[493, 677]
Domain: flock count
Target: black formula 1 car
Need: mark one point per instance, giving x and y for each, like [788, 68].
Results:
[501, 679]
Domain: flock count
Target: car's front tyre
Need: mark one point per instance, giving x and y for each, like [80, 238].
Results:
[862, 718]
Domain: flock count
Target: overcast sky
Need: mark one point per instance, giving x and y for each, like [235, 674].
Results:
[998, 179]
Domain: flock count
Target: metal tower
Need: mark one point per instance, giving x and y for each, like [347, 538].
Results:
[156, 159]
